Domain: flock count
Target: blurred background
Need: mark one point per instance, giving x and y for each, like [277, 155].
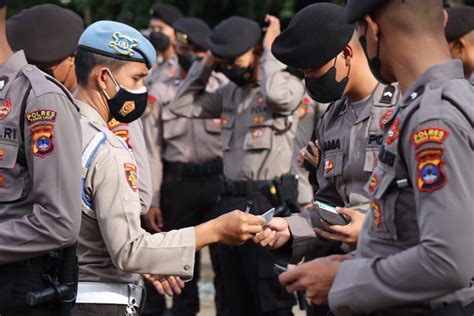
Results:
[136, 13]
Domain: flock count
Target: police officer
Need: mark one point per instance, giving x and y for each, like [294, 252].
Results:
[40, 148]
[192, 155]
[111, 63]
[460, 36]
[163, 16]
[414, 252]
[49, 36]
[256, 111]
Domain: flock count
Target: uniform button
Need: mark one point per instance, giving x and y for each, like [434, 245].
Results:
[186, 267]
[29, 69]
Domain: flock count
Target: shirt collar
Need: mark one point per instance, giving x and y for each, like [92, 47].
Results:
[91, 113]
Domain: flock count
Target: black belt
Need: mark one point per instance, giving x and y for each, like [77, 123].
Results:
[244, 188]
[210, 168]
[39, 264]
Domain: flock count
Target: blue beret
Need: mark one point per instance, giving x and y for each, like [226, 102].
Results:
[357, 9]
[460, 22]
[315, 35]
[118, 40]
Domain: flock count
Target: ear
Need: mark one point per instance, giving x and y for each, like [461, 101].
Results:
[347, 54]
[372, 27]
[101, 77]
[458, 47]
[446, 17]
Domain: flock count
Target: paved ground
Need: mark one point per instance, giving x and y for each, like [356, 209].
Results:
[206, 288]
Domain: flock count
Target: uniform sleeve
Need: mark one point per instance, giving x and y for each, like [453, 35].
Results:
[116, 202]
[140, 152]
[192, 100]
[442, 263]
[152, 133]
[283, 92]
[53, 155]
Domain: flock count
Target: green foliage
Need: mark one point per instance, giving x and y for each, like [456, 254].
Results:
[137, 12]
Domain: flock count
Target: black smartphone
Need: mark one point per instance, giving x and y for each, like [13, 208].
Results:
[329, 214]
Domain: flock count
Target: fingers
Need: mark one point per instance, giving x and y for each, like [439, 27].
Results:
[288, 278]
[346, 211]
[254, 220]
[262, 236]
[252, 229]
[175, 285]
[330, 236]
[159, 287]
[151, 223]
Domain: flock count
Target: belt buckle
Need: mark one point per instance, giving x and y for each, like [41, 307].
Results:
[135, 296]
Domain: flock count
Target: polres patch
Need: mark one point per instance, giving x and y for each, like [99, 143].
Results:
[431, 176]
[429, 135]
[41, 116]
[131, 175]
[42, 139]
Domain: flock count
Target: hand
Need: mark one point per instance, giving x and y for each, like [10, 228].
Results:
[154, 219]
[166, 285]
[236, 227]
[315, 277]
[276, 234]
[348, 233]
[305, 155]
[272, 31]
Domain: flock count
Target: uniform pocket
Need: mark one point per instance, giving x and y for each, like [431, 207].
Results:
[173, 126]
[333, 164]
[11, 182]
[213, 126]
[384, 199]
[258, 138]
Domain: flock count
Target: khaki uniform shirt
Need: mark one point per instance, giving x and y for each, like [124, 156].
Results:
[257, 121]
[112, 245]
[415, 248]
[178, 139]
[40, 167]
[133, 135]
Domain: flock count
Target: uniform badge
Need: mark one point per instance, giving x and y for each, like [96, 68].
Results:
[216, 123]
[328, 165]
[43, 140]
[5, 109]
[257, 134]
[41, 116]
[387, 95]
[2, 154]
[385, 118]
[127, 108]
[373, 183]
[429, 135]
[303, 109]
[258, 119]
[151, 103]
[224, 120]
[131, 175]
[431, 176]
[124, 135]
[3, 82]
[113, 123]
[377, 213]
[394, 132]
[123, 45]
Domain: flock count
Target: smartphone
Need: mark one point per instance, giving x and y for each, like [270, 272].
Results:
[329, 214]
[279, 269]
[268, 215]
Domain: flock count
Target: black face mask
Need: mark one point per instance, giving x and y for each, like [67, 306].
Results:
[375, 64]
[185, 61]
[240, 76]
[160, 41]
[326, 89]
[127, 105]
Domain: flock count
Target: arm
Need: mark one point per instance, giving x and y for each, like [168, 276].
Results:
[441, 262]
[192, 100]
[55, 217]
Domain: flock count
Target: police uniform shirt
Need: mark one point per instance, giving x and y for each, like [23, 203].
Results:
[416, 243]
[257, 130]
[40, 168]
[132, 135]
[163, 72]
[178, 139]
[112, 245]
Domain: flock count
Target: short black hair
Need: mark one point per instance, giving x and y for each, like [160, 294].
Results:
[85, 61]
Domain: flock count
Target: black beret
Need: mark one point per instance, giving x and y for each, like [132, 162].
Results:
[234, 36]
[47, 33]
[194, 31]
[166, 12]
[314, 36]
[460, 22]
[357, 9]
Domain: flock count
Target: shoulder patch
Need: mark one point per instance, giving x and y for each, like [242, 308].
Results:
[41, 116]
[429, 135]
[43, 140]
[5, 109]
[431, 176]
[131, 175]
